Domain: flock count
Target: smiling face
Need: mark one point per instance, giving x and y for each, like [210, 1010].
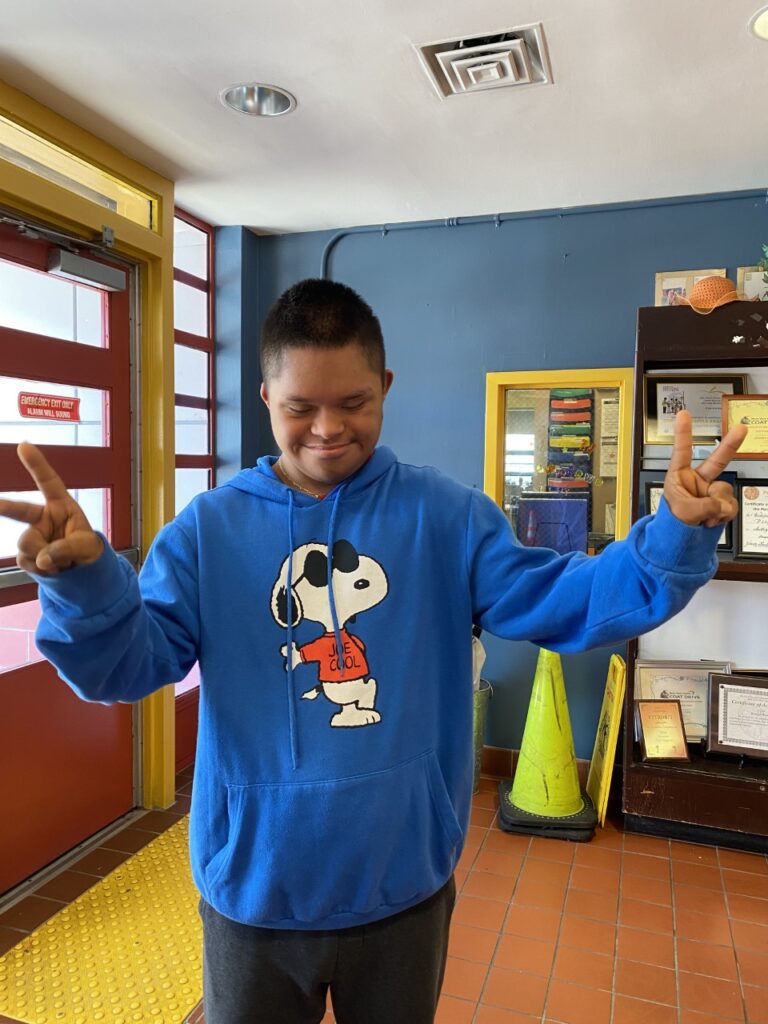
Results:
[326, 406]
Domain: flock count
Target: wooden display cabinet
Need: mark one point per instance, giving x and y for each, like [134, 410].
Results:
[712, 799]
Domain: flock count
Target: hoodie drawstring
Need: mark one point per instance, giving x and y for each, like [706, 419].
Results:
[289, 592]
[292, 713]
[334, 617]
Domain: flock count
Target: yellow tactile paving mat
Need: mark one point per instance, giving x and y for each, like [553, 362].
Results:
[126, 951]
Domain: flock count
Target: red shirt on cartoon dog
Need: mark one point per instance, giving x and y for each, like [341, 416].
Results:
[323, 650]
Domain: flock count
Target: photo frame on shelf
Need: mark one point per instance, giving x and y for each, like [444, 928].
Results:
[753, 520]
[738, 715]
[751, 283]
[725, 545]
[654, 490]
[753, 411]
[685, 681]
[664, 395]
[672, 285]
[648, 477]
[660, 730]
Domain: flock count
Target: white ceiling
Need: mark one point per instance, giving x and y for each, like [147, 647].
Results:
[651, 98]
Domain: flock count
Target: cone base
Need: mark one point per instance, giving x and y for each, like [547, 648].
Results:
[578, 827]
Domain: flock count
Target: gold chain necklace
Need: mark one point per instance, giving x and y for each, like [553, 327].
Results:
[292, 483]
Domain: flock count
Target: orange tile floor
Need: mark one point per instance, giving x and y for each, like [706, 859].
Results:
[625, 929]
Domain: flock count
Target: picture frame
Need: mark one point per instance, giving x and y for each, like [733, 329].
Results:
[738, 715]
[652, 487]
[725, 545]
[750, 282]
[652, 477]
[666, 394]
[678, 284]
[661, 731]
[654, 490]
[607, 736]
[685, 681]
[753, 519]
[753, 411]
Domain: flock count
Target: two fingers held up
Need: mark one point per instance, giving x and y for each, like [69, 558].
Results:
[58, 534]
[695, 495]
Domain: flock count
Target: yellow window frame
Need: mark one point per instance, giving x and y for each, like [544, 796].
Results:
[496, 387]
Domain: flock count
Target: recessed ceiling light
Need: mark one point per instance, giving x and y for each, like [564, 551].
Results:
[258, 100]
[758, 23]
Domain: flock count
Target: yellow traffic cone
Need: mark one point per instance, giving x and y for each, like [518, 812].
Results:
[545, 798]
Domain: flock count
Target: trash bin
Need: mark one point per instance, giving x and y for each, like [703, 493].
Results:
[481, 697]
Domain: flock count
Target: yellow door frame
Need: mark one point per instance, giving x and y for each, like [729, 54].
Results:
[29, 194]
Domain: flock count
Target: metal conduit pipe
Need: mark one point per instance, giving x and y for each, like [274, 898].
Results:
[497, 219]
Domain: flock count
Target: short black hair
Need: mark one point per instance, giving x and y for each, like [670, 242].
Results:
[316, 313]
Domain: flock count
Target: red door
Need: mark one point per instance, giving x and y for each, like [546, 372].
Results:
[66, 766]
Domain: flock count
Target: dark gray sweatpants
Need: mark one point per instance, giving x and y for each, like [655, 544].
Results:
[391, 970]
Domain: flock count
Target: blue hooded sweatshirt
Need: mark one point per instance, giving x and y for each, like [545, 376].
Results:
[333, 777]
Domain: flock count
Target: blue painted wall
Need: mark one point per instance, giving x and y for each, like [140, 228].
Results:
[242, 423]
[552, 290]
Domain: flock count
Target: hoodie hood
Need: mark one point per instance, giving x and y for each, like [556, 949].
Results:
[262, 481]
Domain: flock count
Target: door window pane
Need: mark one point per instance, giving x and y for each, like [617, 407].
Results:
[17, 635]
[191, 431]
[92, 500]
[48, 421]
[190, 372]
[37, 302]
[190, 482]
[190, 249]
[190, 309]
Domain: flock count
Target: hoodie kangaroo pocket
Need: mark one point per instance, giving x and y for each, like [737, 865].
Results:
[325, 853]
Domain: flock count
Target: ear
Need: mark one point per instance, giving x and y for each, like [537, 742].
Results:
[280, 607]
[264, 395]
[388, 378]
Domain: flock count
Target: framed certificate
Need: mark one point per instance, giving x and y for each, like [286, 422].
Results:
[725, 544]
[753, 519]
[701, 394]
[684, 681]
[659, 724]
[751, 410]
[738, 715]
[654, 489]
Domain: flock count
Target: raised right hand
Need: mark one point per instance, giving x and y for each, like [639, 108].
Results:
[59, 535]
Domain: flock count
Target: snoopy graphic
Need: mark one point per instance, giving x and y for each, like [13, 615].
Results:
[359, 583]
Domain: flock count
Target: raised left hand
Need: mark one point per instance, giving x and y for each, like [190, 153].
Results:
[695, 495]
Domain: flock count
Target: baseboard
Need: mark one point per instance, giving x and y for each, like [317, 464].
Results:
[500, 763]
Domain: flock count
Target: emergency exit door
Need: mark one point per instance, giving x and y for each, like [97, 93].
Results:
[66, 766]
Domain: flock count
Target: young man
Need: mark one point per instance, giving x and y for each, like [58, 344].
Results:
[329, 596]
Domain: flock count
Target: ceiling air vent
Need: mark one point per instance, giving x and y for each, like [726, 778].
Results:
[516, 57]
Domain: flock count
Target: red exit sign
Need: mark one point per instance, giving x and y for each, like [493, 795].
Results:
[49, 407]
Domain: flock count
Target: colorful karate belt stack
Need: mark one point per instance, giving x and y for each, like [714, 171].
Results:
[570, 440]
